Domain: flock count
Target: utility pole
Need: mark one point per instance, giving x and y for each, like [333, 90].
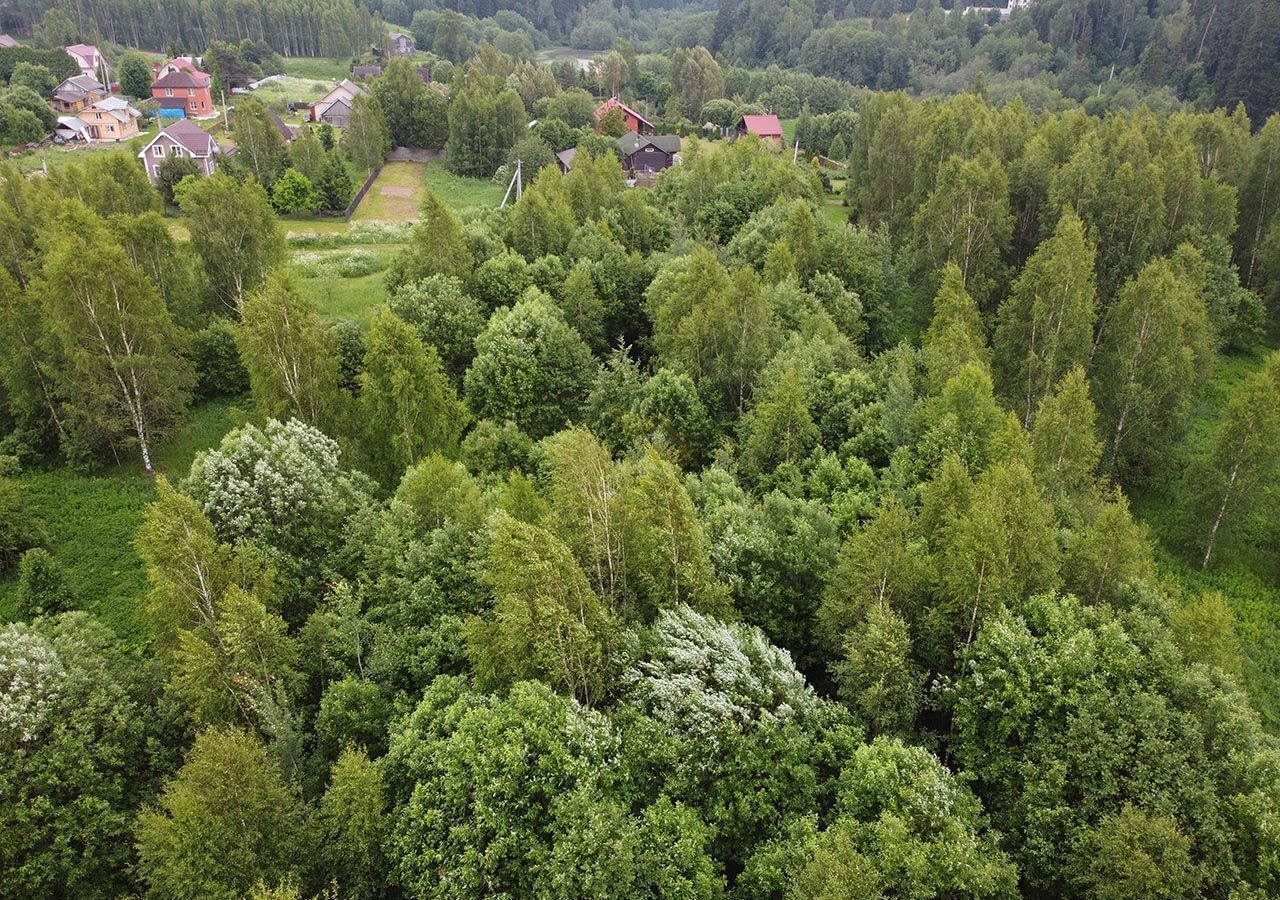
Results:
[517, 183]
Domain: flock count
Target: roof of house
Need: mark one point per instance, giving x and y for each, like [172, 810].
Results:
[181, 79]
[366, 71]
[86, 52]
[81, 84]
[185, 63]
[397, 35]
[763, 126]
[194, 139]
[281, 126]
[7, 41]
[615, 103]
[117, 108]
[632, 142]
[566, 157]
[346, 90]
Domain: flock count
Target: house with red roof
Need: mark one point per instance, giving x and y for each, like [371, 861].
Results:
[178, 64]
[183, 138]
[183, 93]
[767, 128]
[635, 122]
[87, 57]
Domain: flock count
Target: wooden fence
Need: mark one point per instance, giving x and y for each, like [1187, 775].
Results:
[364, 189]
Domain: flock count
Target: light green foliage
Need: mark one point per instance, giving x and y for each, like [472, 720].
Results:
[1147, 366]
[366, 139]
[667, 548]
[1065, 449]
[437, 247]
[1106, 553]
[42, 585]
[530, 367]
[234, 234]
[1046, 326]
[955, 336]
[547, 624]
[542, 220]
[876, 675]
[408, 409]
[1226, 484]
[440, 491]
[260, 149]
[121, 374]
[966, 222]
[290, 354]
[353, 824]
[1136, 854]
[224, 822]
[293, 192]
[898, 808]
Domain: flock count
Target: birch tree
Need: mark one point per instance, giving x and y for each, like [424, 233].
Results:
[122, 378]
[1230, 481]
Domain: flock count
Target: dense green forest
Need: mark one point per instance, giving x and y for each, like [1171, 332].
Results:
[1207, 52]
[903, 523]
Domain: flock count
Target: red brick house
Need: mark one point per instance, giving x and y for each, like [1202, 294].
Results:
[182, 138]
[186, 91]
[635, 122]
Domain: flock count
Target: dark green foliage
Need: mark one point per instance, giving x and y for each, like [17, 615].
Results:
[216, 360]
[42, 586]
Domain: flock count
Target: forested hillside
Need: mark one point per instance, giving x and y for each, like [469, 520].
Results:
[1208, 52]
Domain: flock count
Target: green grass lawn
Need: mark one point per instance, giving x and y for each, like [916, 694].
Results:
[396, 195]
[318, 68]
[461, 193]
[33, 160]
[345, 298]
[1244, 573]
[92, 519]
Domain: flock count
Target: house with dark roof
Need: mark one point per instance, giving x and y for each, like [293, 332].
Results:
[76, 93]
[648, 154]
[565, 158]
[286, 131]
[184, 93]
[767, 128]
[635, 122]
[364, 73]
[183, 138]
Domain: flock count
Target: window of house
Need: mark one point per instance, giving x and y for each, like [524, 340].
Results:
[157, 150]
[168, 92]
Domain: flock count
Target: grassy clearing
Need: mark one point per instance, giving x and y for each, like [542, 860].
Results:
[1246, 572]
[278, 94]
[396, 195]
[339, 297]
[461, 193]
[92, 519]
[318, 68]
[34, 160]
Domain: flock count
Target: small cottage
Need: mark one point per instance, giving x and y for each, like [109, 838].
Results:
[635, 122]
